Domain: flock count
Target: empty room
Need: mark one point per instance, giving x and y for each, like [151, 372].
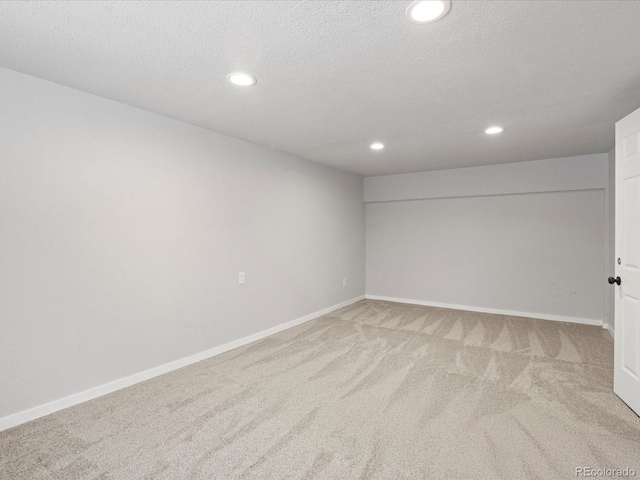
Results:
[319, 239]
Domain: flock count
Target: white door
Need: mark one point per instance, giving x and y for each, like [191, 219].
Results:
[626, 382]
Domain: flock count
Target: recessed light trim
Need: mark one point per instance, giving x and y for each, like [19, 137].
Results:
[242, 79]
[377, 146]
[494, 130]
[427, 11]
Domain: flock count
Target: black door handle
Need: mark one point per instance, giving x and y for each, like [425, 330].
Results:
[615, 280]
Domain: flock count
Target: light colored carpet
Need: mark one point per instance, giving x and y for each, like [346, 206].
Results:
[376, 390]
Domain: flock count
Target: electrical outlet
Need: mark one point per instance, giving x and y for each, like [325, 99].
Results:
[344, 282]
[241, 278]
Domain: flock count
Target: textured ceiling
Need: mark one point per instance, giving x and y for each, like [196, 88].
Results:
[335, 75]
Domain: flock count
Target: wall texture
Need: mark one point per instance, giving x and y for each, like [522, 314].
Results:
[122, 234]
[494, 245]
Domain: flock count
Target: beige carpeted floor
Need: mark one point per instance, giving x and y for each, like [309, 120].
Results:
[376, 390]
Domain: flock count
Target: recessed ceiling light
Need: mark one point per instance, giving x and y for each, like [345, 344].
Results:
[427, 11]
[493, 130]
[241, 79]
[377, 146]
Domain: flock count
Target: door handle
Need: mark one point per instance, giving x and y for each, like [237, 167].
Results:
[617, 280]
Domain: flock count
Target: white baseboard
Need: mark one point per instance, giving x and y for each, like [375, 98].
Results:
[542, 316]
[610, 329]
[56, 405]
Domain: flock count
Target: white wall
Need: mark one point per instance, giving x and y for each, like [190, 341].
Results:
[527, 237]
[583, 172]
[122, 234]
